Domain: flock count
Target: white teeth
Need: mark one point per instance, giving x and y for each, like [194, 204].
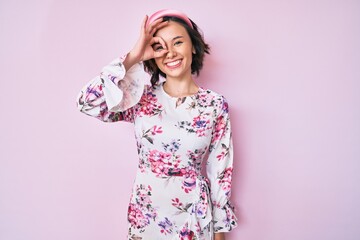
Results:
[173, 63]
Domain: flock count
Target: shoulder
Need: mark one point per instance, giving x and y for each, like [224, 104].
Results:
[150, 93]
[216, 95]
[149, 89]
[152, 88]
[218, 101]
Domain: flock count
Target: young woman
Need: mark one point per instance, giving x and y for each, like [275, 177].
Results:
[178, 125]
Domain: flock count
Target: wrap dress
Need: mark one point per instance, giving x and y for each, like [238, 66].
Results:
[183, 182]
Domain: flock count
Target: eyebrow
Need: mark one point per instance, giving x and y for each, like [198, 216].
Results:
[177, 37]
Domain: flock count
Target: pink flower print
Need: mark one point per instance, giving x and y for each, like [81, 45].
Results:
[93, 92]
[197, 155]
[198, 229]
[142, 165]
[143, 194]
[173, 146]
[155, 129]
[230, 219]
[200, 124]
[225, 107]
[216, 204]
[148, 134]
[224, 152]
[186, 233]
[136, 217]
[166, 226]
[176, 203]
[149, 105]
[224, 180]
[189, 183]
[201, 208]
[159, 162]
[177, 162]
[219, 130]
[165, 164]
[156, 155]
[220, 156]
[140, 212]
[205, 100]
[159, 168]
[146, 109]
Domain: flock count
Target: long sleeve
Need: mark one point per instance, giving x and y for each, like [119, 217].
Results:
[111, 96]
[219, 170]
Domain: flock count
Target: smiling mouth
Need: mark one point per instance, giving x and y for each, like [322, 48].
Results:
[174, 64]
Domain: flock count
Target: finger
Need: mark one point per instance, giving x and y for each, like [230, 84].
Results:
[162, 24]
[149, 26]
[161, 41]
[160, 53]
[143, 24]
[157, 21]
[158, 26]
[158, 40]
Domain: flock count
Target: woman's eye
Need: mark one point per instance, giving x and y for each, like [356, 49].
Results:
[178, 43]
[158, 48]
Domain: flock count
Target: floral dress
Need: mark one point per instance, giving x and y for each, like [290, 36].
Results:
[170, 199]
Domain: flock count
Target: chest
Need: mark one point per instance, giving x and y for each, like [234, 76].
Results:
[161, 121]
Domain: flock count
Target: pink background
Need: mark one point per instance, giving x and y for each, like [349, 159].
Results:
[290, 70]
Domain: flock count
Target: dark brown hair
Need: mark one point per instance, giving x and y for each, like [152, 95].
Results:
[198, 43]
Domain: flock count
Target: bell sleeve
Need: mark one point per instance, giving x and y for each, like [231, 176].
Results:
[111, 96]
[219, 169]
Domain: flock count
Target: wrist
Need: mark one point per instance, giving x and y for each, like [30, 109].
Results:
[130, 60]
[219, 236]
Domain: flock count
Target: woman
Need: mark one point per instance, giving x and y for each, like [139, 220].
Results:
[178, 125]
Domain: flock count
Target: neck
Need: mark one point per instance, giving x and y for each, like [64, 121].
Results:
[183, 88]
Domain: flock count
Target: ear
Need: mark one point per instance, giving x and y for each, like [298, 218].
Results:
[193, 50]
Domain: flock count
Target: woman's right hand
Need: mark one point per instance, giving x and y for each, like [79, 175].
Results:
[143, 49]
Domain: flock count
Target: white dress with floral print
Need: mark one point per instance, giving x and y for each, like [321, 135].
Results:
[170, 198]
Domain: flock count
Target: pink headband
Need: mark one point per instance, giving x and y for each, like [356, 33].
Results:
[170, 13]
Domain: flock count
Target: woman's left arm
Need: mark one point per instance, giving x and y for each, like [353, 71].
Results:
[219, 171]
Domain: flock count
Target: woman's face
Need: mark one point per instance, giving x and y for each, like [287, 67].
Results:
[176, 64]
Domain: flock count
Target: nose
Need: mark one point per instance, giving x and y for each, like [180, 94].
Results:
[171, 53]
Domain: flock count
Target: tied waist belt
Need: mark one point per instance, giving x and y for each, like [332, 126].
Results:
[200, 211]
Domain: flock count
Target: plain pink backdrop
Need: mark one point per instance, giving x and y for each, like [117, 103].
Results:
[289, 69]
